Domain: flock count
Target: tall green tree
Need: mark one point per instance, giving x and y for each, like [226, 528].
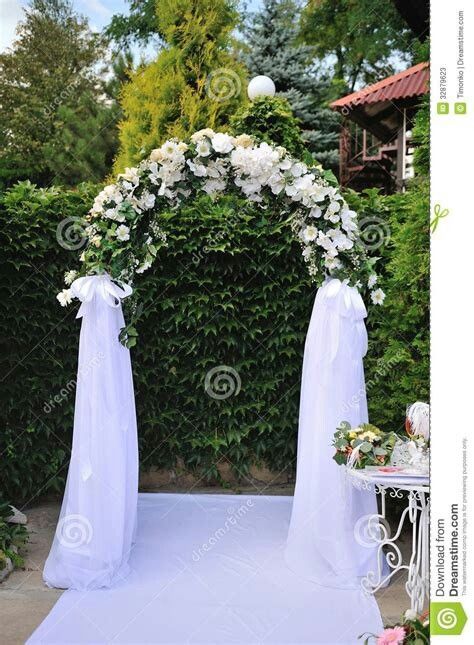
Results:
[194, 83]
[272, 48]
[363, 36]
[138, 26]
[56, 124]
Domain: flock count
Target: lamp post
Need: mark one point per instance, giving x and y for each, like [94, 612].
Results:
[260, 86]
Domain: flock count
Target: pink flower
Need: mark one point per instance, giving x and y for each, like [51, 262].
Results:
[392, 636]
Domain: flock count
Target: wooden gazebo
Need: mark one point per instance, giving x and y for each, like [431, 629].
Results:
[375, 136]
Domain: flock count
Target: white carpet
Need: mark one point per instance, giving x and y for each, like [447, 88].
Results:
[209, 569]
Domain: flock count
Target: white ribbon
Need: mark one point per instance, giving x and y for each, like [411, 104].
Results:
[346, 306]
[88, 287]
[92, 291]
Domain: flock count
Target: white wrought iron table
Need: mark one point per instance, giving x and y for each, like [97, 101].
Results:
[416, 514]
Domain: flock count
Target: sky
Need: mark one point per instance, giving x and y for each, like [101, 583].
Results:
[99, 13]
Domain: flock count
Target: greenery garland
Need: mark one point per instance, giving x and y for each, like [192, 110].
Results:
[125, 230]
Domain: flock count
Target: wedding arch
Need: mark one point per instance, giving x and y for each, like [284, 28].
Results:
[124, 233]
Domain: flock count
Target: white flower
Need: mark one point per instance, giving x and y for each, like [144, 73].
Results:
[65, 297]
[298, 169]
[372, 281]
[147, 200]
[310, 233]
[331, 263]
[203, 149]
[410, 614]
[349, 220]
[169, 148]
[315, 212]
[200, 134]
[334, 207]
[122, 233]
[222, 143]
[198, 169]
[69, 277]
[243, 140]
[378, 297]
[114, 214]
[306, 251]
[157, 155]
[130, 176]
[144, 267]
[212, 186]
[285, 163]
[368, 436]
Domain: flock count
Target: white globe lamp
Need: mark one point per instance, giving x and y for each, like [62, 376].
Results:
[260, 86]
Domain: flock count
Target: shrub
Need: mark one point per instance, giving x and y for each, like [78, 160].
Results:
[194, 83]
[13, 537]
[397, 363]
[38, 354]
[271, 119]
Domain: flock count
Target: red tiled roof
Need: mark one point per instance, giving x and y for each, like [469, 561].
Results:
[411, 82]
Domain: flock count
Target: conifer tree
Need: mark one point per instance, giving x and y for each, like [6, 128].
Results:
[272, 48]
[55, 125]
[194, 83]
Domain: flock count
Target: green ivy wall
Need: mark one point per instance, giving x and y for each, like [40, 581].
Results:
[231, 289]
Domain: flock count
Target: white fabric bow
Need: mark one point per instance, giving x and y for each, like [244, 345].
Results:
[345, 307]
[87, 287]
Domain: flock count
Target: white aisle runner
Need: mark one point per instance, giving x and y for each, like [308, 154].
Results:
[210, 569]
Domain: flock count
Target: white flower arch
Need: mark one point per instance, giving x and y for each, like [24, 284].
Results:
[124, 231]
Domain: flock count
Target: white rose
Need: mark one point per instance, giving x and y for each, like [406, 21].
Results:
[130, 175]
[69, 277]
[147, 200]
[65, 297]
[310, 233]
[122, 233]
[200, 134]
[222, 143]
[244, 141]
[156, 155]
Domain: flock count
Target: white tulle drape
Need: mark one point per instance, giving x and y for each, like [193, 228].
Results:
[325, 541]
[96, 527]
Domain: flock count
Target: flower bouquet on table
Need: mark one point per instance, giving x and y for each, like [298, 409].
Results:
[365, 445]
[413, 630]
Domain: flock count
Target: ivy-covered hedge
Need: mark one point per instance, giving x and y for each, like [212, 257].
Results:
[397, 362]
[230, 290]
